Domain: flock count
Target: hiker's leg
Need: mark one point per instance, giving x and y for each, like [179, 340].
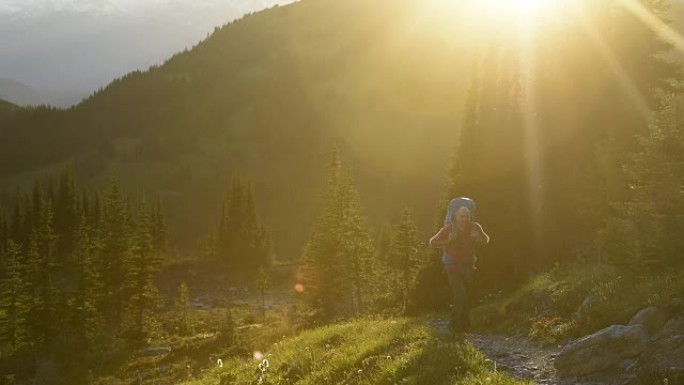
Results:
[467, 282]
[458, 294]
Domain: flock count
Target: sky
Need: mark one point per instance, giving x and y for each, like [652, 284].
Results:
[82, 45]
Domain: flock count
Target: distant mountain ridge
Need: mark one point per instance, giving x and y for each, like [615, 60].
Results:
[23, 95]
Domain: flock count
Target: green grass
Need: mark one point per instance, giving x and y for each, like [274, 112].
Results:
[371, 351]
[546, 308]
[401, 351]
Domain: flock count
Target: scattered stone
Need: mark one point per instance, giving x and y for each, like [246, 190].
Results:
[601, 350]
[652, 318]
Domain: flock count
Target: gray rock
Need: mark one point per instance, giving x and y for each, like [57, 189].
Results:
[666, 353]
[675, 306]
[581, 311]
[601, 350]
[652, 318]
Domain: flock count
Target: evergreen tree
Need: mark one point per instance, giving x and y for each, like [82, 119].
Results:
[646, 231]
[405, 251]
[14, 302]
[116, 246]
[263, 285]
[20, 225]
[340, 272]
[323, 267]
[240, 241]
[182, 306]
[66, 214]
[87, 300]
[159, 230]
[143, 263]
[489, 165]
[4, 233]
[35, 281]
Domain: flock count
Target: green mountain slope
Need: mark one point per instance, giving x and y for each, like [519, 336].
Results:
[267, 96]
[6, 106]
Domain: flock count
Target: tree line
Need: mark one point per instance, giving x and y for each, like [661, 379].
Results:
[77, 274]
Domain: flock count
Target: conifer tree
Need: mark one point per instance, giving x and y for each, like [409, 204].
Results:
[35, 281]
[241, 242]
[142, 264]
[405, 251]
[47, 243]
[14, 302]
[646, 231]
[20, 225]
[88, 297]
[357, 249]
[182, 306]
[66, 215]
[263, 285]
[4, 233]
[116, 246]
[339, 271]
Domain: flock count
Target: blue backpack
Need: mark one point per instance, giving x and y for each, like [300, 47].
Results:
[453, 207]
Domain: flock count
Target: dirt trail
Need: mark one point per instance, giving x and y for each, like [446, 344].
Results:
[517, 356]
[527, 360]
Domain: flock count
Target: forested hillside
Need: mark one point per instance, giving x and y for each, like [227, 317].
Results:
[268, 95]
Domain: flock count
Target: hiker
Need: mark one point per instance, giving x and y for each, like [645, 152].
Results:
[458, 238]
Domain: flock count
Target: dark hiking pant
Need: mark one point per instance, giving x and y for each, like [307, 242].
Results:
[460, 312]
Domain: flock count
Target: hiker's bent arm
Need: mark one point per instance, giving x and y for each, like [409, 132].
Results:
[440, 239]
[480, 236]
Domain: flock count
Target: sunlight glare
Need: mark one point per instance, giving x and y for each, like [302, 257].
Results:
[520, 8]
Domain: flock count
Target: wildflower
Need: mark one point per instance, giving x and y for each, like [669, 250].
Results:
[360, 371]
[219, 362]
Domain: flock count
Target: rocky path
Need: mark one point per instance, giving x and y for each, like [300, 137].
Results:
[527, 360]
[517, 356]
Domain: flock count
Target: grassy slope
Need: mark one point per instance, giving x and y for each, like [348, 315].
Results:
[401, 351]
[364, 352]
[546, 308]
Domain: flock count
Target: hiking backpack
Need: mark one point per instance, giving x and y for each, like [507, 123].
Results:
[453, 207]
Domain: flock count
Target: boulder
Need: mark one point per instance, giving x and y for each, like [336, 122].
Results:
[652, 318]
[665, 355]
[675, 306]
[602, 350]
[582, 310]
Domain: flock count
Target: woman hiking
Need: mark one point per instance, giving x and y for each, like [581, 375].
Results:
[458, 238]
